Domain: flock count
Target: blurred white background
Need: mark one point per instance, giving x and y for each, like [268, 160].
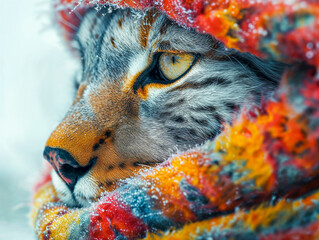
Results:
[36, 89]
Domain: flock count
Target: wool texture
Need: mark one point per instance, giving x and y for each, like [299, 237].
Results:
[259, 179]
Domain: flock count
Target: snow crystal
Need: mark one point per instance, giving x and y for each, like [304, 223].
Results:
[310, 54]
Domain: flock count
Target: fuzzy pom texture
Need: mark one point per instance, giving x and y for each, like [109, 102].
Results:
[257, 180]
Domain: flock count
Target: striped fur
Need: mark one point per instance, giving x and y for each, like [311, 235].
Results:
[122, 130]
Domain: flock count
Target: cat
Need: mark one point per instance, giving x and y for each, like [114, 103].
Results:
[148, 88]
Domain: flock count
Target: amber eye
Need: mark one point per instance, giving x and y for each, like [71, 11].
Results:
[174, 66]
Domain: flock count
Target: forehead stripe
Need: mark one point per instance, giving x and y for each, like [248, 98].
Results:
[146, 25]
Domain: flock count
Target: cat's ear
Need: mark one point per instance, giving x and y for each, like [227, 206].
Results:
[267, 70]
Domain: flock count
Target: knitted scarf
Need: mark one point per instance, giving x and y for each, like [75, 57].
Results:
[259, 179]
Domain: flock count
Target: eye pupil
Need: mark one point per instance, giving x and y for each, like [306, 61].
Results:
[174, 59]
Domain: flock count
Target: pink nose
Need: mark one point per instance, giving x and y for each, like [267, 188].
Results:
[65, 165]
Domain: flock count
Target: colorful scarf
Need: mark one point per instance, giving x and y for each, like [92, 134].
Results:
[258, 180]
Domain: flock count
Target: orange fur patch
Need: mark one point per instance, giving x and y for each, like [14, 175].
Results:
[146, 25]
[112, 41]
[120, 23]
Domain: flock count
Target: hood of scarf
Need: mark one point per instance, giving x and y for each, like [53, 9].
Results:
[252, 26]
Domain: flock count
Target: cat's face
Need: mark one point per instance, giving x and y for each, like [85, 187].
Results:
[148, 88]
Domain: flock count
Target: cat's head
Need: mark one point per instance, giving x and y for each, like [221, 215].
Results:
[148, 88]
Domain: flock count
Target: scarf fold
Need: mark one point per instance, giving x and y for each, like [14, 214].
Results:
[257, 180]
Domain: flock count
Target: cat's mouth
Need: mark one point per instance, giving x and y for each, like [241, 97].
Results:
[84, 193]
